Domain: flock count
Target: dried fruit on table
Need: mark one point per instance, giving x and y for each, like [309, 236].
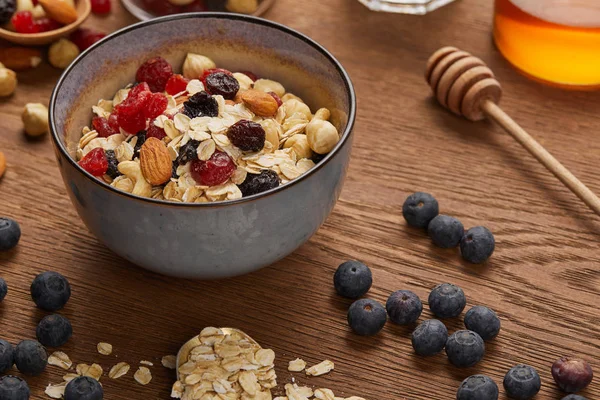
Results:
[62, 53]
[20, 58]
[59, 10]
[7, 9]
[35, 119]
[155, 161]
[260, 103]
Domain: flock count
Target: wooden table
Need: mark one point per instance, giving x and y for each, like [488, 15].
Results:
[543, 280]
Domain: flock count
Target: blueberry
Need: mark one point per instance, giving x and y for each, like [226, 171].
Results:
[366, 317]
[465, 349]
[419, 209]
[54, 330]
[352, 279]
[445, 231]
[477, 387]
[484, 321]
[13, 388]
[447, 300]
[573, 397]
[50, 291]
[7, 356]
[522, 382]
[10, 233]
[572, 374]
[430, 337]
[3, 289]
[31, 357]
[84, 388]
[404, 307]
[477, 245]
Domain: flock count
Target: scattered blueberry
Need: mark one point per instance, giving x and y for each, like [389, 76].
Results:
[419, 209]
[572, 374]
[477, 387]
[352, 279]
[445, 231]
[447, 300]
[573, 397]
[7, 356]
[84, 388]
[13, 388]
[54, 330]
[465, 348]
[404, 307]
[430, 337]
[10, 233]
[50, 291]
[366, 317]
[477, 245]
[484, 321]
[31, 357]
[522, 382]
[3, 289]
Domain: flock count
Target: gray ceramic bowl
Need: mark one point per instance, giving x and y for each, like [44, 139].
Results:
[210, 240]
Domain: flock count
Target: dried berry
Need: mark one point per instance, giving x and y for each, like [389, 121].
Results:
[156, 105]
[100, 6]
[221, 83]
[250, 75]
[23, 22]
[277, 98]
[201, 105]
[113, 122]
[112, 170]
[155, 132]
[85, 37]
[213, 172]
[95, 162]
[188, 152]
[131, 112]
[7, 9]
[262, 182]
[155, 72]
[174, 173]
[141, 139]
[572, 374]
[103, 128]
[211, 71]
[247, 135]
[47, 24]
[176, 84]
[316, 157]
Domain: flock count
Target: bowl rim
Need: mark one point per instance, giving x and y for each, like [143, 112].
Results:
[233, 16]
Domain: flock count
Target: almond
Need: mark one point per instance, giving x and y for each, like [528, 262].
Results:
[155, 161]
[260, 103]
[59, 10]
[20, 58]
[2, 164]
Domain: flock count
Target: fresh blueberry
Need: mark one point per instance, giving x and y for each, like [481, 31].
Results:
[3, 289]
[419, 209]
[404, 307]
[572, 374]
[54, 330]
[366, 317]
[430, 337]
[477, 387]
[13, 388]
[7, 356]
[31, 357]
[352, 279]
[445, 231]
[522, 382]
[465, 349]
[50, 291]
[477, 245]
[484, 321]
[447, 300]
[84, 388]
[10, 233]
[573, 397]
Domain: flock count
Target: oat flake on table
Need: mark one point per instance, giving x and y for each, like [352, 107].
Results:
[143, 376]
[104, 348]
[60, 359]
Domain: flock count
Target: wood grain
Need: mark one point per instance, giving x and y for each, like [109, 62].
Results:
[543, 280]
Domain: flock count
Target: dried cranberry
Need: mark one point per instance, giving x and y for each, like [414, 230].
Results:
[250, 75]
[174, 171]
[212, 71]
[113, 122]
[188, 152]
[155, 132]
[131, 112]
[247, 135]
[201, 105]
[262, 182]
[47, 24]
[84, 38]
[156, 105]
[155, 72]
[100, 6]
[572, 374]
[277, 98]
[102, 126]
[132, 123]
[113, 163]
[176, 84]
[213, 172]
[224, 84]
[95, 162]
[23, 22]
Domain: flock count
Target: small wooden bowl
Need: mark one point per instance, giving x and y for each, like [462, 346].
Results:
[84, 7]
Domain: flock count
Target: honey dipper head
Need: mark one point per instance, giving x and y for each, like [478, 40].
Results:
[461, 82]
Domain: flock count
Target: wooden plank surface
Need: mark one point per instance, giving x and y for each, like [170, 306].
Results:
[543, 280]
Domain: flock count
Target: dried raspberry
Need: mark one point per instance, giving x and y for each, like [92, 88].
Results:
[131, 112]
[137, 89]
[262, 182]
[103, 128]
[221, 83]
[47, 24]
[247, 135]
[176, 84]
[201, 105]
[250, 75]
[113, 163]
[23, 22]
[213, 172]
[84, 38]
[132, 123]
[212, 71]
[277, 98]
[196, 6]
[188, 152]
[113, 122]
[156, 105]
[155, 132]
[155, 72]
[7, 9]
[100, 6]
[95, 162]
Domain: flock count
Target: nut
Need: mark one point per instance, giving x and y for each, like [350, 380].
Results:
[267, 85]
[322, 135]
[8, 81]
[299, 144]
[133, 172]
[242, 6]
[62, 53]
[244, 81]
[60, 11]
[195, 65]
[260, 103]
[2, 164]
[293, 106]
[35, 119]
[20, 58]
[155, 161]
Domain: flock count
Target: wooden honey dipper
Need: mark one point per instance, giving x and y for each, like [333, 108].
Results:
[466, 86]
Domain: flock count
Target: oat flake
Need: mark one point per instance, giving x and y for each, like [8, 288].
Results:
[142, 376]
[104, 348]
[56, 391]
[60, 359]
[320, 369]
[118, 370]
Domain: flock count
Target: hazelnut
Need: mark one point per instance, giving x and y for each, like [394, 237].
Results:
[271, 128]
[195, 65]
[244, 81]
[62, 53]
[35, 119]
[8, 81]
[299, 144]
[267, 85]
[322, 136]
[242, 6]
[293, 106]
[289, 96]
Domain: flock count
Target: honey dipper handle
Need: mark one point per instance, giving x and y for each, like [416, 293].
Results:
[493, 111]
